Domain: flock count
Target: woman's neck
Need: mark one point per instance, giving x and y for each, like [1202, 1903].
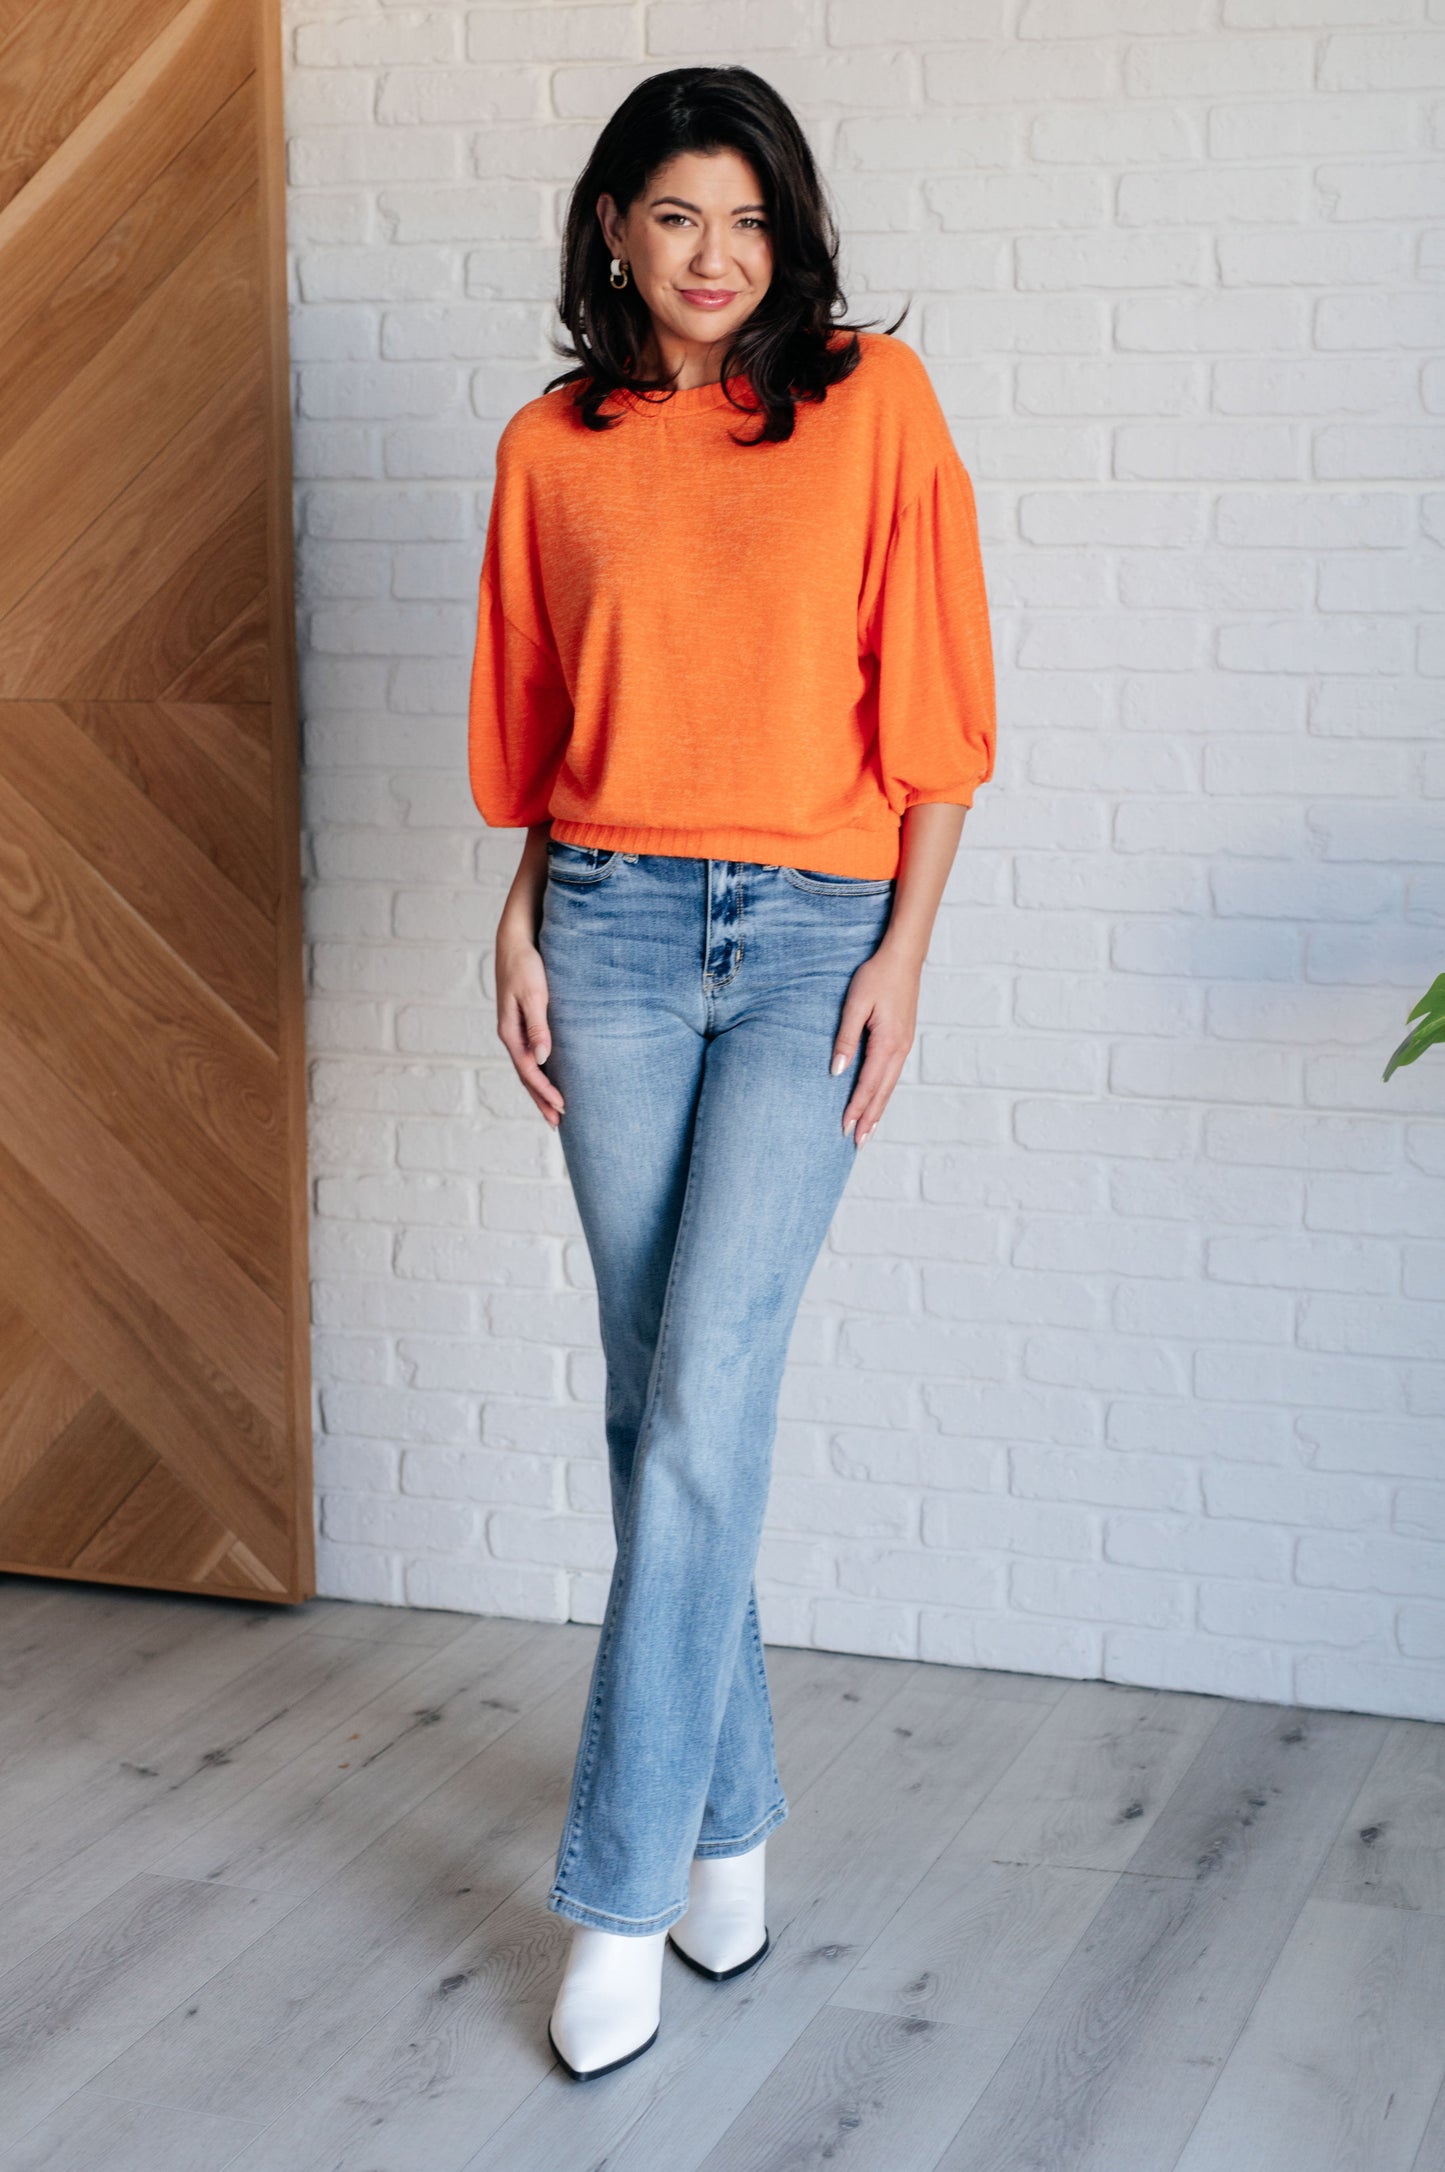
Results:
[684, 364]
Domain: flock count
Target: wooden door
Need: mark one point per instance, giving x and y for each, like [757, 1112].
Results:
[154, 1373]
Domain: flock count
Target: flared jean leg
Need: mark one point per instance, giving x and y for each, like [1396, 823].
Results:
[745, 1797]
[764, 1175]
[703, 1135]
[632, 1232]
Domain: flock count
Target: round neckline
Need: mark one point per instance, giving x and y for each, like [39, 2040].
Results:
[690, 400]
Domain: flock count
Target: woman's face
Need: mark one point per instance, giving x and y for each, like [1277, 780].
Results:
[698, 246]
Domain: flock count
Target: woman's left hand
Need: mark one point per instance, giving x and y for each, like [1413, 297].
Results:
[882, 999]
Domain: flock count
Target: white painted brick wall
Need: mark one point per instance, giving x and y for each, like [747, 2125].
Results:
[1127, 1353]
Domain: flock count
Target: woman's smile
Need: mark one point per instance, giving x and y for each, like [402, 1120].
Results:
[708, 297]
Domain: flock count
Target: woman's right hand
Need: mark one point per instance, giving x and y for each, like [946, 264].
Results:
[522, 1020]
[522, 977]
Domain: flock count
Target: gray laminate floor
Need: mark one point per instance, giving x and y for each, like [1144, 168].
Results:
[273, 1885]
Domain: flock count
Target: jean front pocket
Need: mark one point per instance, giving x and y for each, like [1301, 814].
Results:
[578, 866]
[821, 883]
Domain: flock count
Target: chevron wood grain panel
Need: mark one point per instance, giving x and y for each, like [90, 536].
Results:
[154, 1365]
[50, 82]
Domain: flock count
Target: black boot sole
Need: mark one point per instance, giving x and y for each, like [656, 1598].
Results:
[721, 1975]
[592, 2073]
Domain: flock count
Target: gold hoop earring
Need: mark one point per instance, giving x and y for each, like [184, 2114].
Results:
[617, 266]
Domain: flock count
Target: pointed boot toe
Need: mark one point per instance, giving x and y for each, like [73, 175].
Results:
[720, 1975]
[609, 2001]
[723, 1933]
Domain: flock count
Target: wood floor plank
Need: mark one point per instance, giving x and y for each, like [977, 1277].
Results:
[868, 2091]
[92, 2132]
[1094, 1778]
[83, 1613]
[415, 1624]
[821, 1700]
[120, 1813]
[324, 1809]
[1342, 2057]
[857, 1843]
[1116, 2062]
[22, 1597]
[130, 1688]
[387, 1790]
[438, 2075]
[441, 2074]
[977, 1943]
[56, 1665]
[69, 2008]
[253, 2042]
[1391, 1847]
[435, 2077]
[1430, 2157]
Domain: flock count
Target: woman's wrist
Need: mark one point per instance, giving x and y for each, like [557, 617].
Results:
[928, 841]
[517, 926]
[521, 916]
[905, 947]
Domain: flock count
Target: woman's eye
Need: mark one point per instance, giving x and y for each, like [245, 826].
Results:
[680, 218]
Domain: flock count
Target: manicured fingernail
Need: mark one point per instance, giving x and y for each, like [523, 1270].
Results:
[838, 1063]
[865, 1136]
[849, 1125]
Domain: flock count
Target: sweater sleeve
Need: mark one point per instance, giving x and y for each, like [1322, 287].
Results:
[930, 634]
[520, 710]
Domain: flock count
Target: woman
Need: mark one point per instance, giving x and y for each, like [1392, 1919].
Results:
[731, 603]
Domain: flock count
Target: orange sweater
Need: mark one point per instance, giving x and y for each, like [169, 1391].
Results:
[765, 652]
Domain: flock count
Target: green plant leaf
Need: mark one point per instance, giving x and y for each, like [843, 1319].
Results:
[1430, 1013]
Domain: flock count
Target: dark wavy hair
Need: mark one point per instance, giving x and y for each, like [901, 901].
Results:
[787, 347]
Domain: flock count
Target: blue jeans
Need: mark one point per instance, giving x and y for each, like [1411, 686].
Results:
[693, 1006]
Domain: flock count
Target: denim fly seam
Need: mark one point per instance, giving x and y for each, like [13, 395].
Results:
[714, 982]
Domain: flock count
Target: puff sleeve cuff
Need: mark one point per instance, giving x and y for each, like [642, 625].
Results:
[520, 710]
[936, 715]
[519, 719]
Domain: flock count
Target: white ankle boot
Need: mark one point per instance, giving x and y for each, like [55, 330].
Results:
[608, 2002]
[723, 1932]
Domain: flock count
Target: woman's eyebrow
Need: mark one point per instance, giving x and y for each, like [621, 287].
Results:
[686, 206]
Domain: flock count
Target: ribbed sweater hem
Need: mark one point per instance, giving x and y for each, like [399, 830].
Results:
[834, 852]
